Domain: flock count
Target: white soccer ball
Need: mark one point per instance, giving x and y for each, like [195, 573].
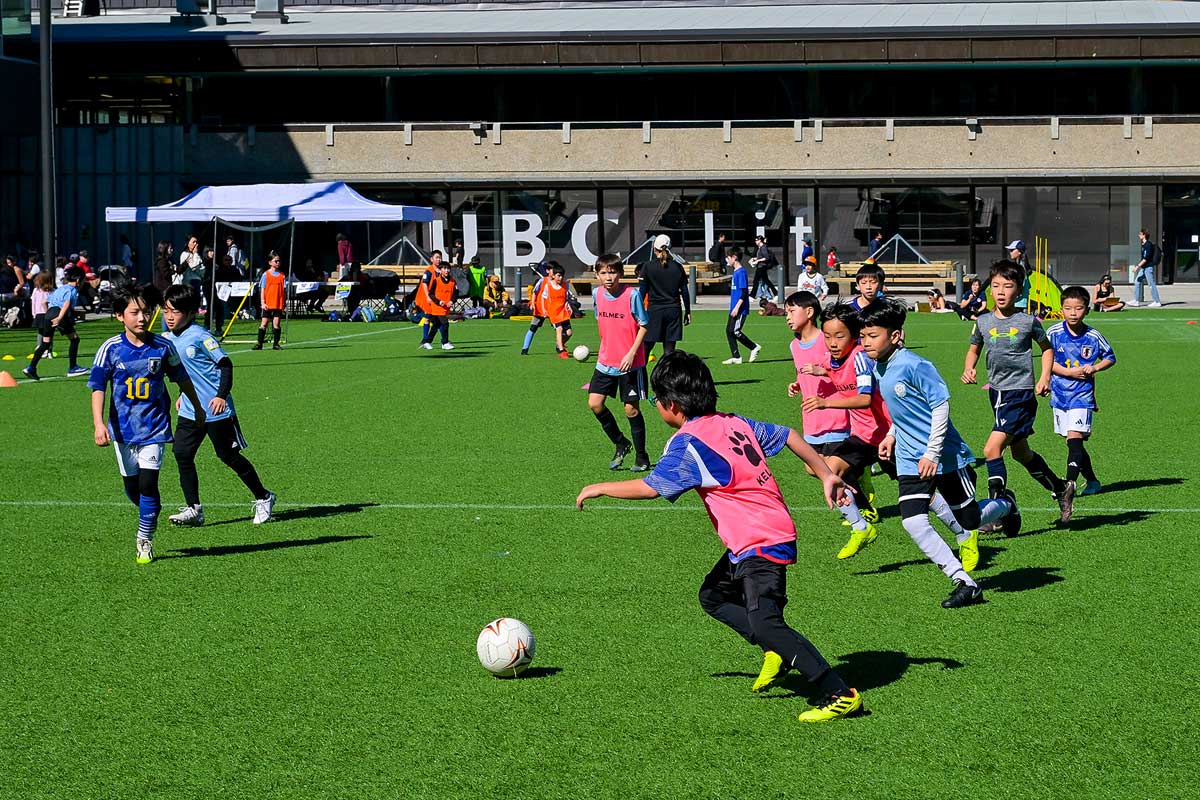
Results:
[505, 647]
[582, 353]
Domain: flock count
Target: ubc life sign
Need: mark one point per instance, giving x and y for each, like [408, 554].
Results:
[521, 243]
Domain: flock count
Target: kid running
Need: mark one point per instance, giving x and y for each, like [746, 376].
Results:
[539, 316]
[60, 316]
[1009, 335]
[739, 308]
[134, 363]
[621, 362]
[723, 457]
[1080, 351]
[929, 454]
[554, 306]
[211, 372]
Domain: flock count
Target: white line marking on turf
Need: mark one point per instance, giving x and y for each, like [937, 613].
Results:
[293, 346]
[592, 505]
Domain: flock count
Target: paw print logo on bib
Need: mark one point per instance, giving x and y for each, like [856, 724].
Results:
[745, 448]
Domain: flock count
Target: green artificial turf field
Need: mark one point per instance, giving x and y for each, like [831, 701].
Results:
[331, 653]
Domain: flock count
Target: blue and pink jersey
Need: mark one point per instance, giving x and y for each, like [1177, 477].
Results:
[824, 424]
[724, 458]
[619, 319]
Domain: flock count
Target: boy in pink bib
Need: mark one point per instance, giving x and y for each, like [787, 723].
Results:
[723, 458]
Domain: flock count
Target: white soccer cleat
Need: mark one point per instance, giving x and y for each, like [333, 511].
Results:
[1155, 304]
[145, 551]
[188, 516]
[447, 346]
[263, 508]
[732, 361]
[754, 353]
[426, 346]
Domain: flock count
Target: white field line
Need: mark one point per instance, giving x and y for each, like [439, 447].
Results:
[592, 505]
[247, 350]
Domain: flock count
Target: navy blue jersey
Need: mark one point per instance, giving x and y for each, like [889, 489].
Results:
[139, 411]
[1087, 349]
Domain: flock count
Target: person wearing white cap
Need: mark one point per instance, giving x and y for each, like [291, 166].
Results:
[664, 284]
[1016, 254]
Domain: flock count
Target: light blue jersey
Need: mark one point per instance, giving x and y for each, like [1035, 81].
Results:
[61, 295]
[200, 351]
[1087, 349]
[911, 388]
[139, 411]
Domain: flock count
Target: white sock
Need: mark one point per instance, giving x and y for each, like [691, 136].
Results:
[994, 509]
[936, 549]
[939, 506]
[853, 515]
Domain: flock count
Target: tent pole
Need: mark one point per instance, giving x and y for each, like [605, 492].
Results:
[212, 280]
[289, 286]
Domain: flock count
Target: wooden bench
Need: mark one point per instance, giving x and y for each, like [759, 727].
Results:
[705, 278]
[903, 278]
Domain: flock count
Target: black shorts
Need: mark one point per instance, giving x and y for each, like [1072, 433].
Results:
[564, 326]
[957, 488]
[857, 453]
[666, 324]
[629, 387]
[826, 448]
[1015, 411]
[67, 325]
[225, 435]
[746, 582]
[271, 313]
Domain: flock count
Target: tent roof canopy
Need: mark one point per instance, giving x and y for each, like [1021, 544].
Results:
[272, 202]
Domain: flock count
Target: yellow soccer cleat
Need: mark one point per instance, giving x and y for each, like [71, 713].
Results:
[858, 540]
[833, 707]
[968, 551]
[869, 513]
[772, 668]
[145, 551]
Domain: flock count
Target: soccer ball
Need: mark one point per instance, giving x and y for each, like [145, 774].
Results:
[582, 353]
[505, 647]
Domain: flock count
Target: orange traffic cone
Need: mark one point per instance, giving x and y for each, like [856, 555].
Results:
[7, 380]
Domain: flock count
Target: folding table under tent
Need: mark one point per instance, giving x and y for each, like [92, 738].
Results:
[271, 205]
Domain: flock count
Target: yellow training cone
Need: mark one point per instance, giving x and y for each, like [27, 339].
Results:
[6, 380]
[7, 358]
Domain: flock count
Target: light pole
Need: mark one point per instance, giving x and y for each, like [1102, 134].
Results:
[49, 251]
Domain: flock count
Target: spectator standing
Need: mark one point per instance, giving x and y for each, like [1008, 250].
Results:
[164, 266]
[664, 284]
[345, 250]
[1016, 254]
[875, 244]
[235, 254]
[762, 262]
[33, 266]
[458, 254]
[1144, 272]
[192, 271]
[831, 261]
[812, 281]
[126, 255]
[807, 250]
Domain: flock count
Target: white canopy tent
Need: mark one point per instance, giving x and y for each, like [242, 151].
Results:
[271, 205]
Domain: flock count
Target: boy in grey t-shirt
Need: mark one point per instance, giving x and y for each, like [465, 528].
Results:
[1009, 335]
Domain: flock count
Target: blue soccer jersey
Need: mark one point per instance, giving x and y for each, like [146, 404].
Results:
[199, 351]
[1086, 349]
[911, 388]
[62, 295]
[139, 411]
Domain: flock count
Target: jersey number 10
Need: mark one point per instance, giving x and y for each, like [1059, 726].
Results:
[137, 389]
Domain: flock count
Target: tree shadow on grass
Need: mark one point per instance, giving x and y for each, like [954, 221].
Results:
[1124, 486]
[451, 353]
[738, 383]
[1021, 579]
[308, 512]
[1088, 521]
[241, 549]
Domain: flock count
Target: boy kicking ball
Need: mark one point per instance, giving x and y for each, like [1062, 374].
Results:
[930, 456]
[1080, 351]
[211, 372]
[723, 457]
[135, 363]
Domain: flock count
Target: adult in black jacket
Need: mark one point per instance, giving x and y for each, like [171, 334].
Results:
[716, 253]
[664, 284]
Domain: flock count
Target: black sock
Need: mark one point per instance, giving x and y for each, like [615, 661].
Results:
[831, 683]
[997, 476]
[1074, 458]
[609, 424]
[73, 352]
[1085, 467]
[668, 347]
[132, 488]
[275, 333]
[637, 429]
[1040, 471]
[262, 336]
[189, 480]
[42, 349]
[245, 470]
